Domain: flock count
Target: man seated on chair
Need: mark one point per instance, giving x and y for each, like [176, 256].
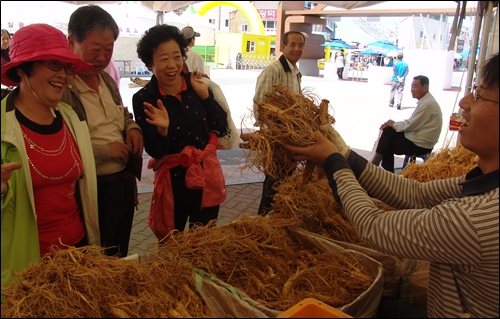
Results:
[414, 136]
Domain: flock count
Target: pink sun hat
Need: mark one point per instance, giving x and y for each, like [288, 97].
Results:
[38, 42]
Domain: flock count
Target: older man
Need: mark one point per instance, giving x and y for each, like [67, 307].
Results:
[414, 136]
[283, 71]
[114, 134]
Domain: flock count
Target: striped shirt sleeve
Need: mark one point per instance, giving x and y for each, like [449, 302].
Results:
[458, 235]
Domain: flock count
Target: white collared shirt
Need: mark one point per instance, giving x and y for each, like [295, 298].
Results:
[296, 77]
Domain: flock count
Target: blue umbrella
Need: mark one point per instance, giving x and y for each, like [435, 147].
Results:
[384, 45]
[369, 52]
[337, 44]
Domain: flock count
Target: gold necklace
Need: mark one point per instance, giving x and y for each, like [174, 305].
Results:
[27, 109]
[75, 163]
[44, 151]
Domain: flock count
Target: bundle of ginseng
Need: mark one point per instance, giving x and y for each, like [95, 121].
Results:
[286, 118]
[445, 163]
[85, 283]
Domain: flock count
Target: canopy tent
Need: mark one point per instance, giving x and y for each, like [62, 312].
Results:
[160, 7]
[382, 45]
[132, 20]
[369, 52]
[465, 54]
[337, 45]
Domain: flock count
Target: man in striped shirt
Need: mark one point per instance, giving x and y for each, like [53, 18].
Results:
[453, 223]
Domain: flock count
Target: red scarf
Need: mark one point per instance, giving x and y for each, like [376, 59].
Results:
[210, 178]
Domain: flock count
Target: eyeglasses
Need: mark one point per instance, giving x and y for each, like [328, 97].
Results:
[479, 97]
[57, 66]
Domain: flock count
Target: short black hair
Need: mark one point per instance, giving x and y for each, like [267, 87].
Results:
[88, 19]
[8, 33]
[490, 72]
[284, 40]
[155, 36]
[423, 79]
[26, 67]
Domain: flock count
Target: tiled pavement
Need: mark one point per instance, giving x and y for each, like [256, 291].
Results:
[242, 199]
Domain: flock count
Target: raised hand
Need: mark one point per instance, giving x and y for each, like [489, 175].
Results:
[201, 88]
[158, 116]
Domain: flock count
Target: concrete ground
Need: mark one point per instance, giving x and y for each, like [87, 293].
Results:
[358, 107]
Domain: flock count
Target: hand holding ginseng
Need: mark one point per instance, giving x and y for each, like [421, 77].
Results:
[316, 153]
[332, 135]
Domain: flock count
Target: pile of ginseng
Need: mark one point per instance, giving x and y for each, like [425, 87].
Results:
[445, 163]
[260, 257]
[85, 283]
[286, 118]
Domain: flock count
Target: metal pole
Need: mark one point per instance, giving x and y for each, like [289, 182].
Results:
[438, 47]
[412, 33]
[484, 38]
[425, 32]
[472, 52]
[454, 28]
[219, 17]
[494, 34]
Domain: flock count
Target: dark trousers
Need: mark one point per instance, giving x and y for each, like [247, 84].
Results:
[399, 88]
[392, 142]
[268, 190]
[389, 308]
[267, 199]
[339, 72]
[187, 202]
[116, 200]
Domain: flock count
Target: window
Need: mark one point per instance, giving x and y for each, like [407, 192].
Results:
[211, 21]
[250, 46]
[434, 36]
[269, 24]
[226, 23]
[421, 34]
[244, 28]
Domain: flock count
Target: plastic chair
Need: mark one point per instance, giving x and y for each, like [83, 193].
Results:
[140, 68]
[409, 158]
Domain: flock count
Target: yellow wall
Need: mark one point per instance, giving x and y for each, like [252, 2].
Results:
[226, 44]
[262, 44]
[229, 44]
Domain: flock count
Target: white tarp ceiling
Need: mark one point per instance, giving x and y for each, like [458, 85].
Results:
[172, 5]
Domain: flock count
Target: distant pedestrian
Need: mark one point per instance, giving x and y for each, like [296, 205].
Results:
[5, 46]
[400, 70]
[194, 60]
[339, 61]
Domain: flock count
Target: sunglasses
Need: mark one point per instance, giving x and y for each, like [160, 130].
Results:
[57, 66]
